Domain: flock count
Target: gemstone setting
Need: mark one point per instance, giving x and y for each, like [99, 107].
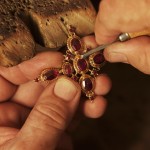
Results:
[97, 60]
[51, 74]
[81, 65]
[87, 84]
[48, 74]
[67, 69]
[75, 45]
[80, 69]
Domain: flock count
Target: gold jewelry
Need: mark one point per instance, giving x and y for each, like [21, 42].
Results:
[74, 66]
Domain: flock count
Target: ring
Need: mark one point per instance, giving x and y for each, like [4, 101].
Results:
[81, 70]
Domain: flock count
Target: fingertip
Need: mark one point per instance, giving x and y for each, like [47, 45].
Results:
[66, 89]
[103, 84]
[30, 69]
[134, 52]
[41, 61]
[44, 59]
[95, 108]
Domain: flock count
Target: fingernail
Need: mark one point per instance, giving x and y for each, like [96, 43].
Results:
[117, 57]
[65, 89]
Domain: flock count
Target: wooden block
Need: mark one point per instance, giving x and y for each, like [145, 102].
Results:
[26, 22]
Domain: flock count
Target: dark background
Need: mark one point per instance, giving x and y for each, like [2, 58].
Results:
[126, 122]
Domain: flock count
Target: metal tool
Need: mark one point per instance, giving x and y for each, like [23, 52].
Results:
[123, 37]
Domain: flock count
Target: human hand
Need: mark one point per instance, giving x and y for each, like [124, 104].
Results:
[52, 110]
[115, 17]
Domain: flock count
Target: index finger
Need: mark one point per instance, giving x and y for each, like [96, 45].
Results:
[30, 69]
[103, 34]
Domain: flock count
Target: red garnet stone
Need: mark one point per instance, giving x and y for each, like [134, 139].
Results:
[76, 44]
[99, 58]
[51, 74]
[87, 84]
[68, 69]
[82, 64]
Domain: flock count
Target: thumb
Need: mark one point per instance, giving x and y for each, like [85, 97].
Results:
[135, 52]
[51, 115]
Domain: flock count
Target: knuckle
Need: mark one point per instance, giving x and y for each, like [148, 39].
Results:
[53, 114]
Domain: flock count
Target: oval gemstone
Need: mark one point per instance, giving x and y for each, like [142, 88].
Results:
[99, 58]
[51, 74]
[68, 69]
[82, 64]
[76, 44]
[87, 84]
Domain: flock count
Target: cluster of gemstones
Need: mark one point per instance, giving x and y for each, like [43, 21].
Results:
[82, 70]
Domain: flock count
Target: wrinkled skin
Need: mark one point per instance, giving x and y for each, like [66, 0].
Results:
[126, 16]
[36, 115]
[18, 86]
[107, 28]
